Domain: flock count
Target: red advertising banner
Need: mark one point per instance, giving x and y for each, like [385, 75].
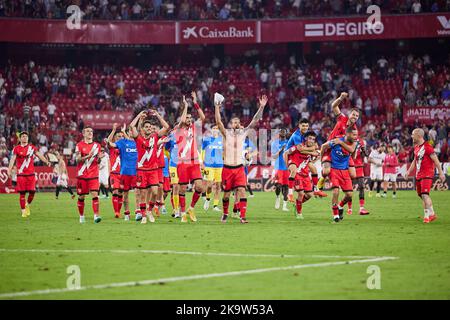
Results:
[227, 32]
[427, 115]
[105, 119]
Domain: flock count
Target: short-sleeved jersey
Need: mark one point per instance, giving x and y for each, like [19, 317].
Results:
[172, 148]
[185, 138]
[358, 159]
[339, 156]
[276, 146]
[390, 163]
[88, 169]
[424, 165]
[128, 156]
[340, 127]
[25, 159]
[160, 154]
[303, 168]
[378, 157]
[295, 139]
[213, 152]
[147, 150]
[114, 160]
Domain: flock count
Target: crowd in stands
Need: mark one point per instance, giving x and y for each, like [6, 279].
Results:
[210, 9]
[45, 100]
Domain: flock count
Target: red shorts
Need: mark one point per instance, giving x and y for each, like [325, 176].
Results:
[127, 182]
[303, 183]
[166, 184]
[423, 186]
[26, 183]
[114, 181]
[341, 178]
[84, 186]
[282, 177]
[359, 172]
[160, 176]
[147, 178]
[294, 158]
[326, 157]
[233, 177]
[188, 172]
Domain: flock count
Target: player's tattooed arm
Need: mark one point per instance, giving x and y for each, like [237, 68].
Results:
[258, 115]
[349, 147]
[219, 120]
[437, 164]
[11, 164]
[201, 114]
[335, 104]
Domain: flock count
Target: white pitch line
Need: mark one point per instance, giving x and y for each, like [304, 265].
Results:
[194, 277]
[194, 253]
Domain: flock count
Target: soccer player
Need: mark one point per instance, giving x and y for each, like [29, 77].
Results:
[147, 166]
[233, 174]
[86, 154]
[390, 172]
[292, 155]
[114, 162]
[425, 161]
[303, 184]
[341, 150]
[342, 123]
[248, 155]
[172, 149]
[126, 151]
[62, 178]
[188, 167]
[159, 205]
[23, 157]
[277, 149]
[166, 184]
[376, 159]
[358, 160]
[103, 176]
[212, 152]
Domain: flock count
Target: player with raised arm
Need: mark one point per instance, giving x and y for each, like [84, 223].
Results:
[341, 151]
[425, 162]
[358, 159]
[292, 158]
[303, 184]
[390, 172]
[342, 123]
[87, 157]
[277, 149]
[233, 174]
[188, 167]
[23, 157]
[376, 159]
[148, 165]
[212, 154]
[125, 150]
[114, 178]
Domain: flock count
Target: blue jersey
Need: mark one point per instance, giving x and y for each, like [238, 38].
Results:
[339, 156]
[172, 147]
[279, 161]
[128, 156]
[295, 139]
[213, 148]
[166, 167]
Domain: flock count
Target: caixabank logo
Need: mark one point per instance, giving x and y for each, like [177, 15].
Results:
[217, 32]
[445, 24]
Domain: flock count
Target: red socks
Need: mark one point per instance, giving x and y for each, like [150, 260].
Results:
[30, 197]
[115, 203]
[291, 182]
[120, 202]
[350, 205]
[143, 208]
[298, 205]
[183, 202]
[226, 205]
[151, 205]
[80, 205]
[95, 205]
[195, 198]
[335, 210]
[236, 207]
[243, 207]
[22, 200]
[315, 179]
[361, 202]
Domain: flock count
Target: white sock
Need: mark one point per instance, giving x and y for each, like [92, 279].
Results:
[426, 213]
[284, 203]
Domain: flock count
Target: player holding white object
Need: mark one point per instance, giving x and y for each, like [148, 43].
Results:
[425, 161]
[103, 175]
[376, 159]
[390, 171]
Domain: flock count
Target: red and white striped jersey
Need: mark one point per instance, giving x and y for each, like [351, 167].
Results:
[25, 159]
[147, 150]
[88, 169]
[114, 160]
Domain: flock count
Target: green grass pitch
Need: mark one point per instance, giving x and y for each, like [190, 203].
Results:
[293, 259]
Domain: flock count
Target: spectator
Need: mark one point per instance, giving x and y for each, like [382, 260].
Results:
[366, 73]
[51, 108]
[36, 109]
[416, 7]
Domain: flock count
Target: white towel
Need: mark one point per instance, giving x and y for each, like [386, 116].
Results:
[218, 98]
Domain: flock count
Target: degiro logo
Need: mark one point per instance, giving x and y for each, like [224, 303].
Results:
[342, 29]
[206, 32]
